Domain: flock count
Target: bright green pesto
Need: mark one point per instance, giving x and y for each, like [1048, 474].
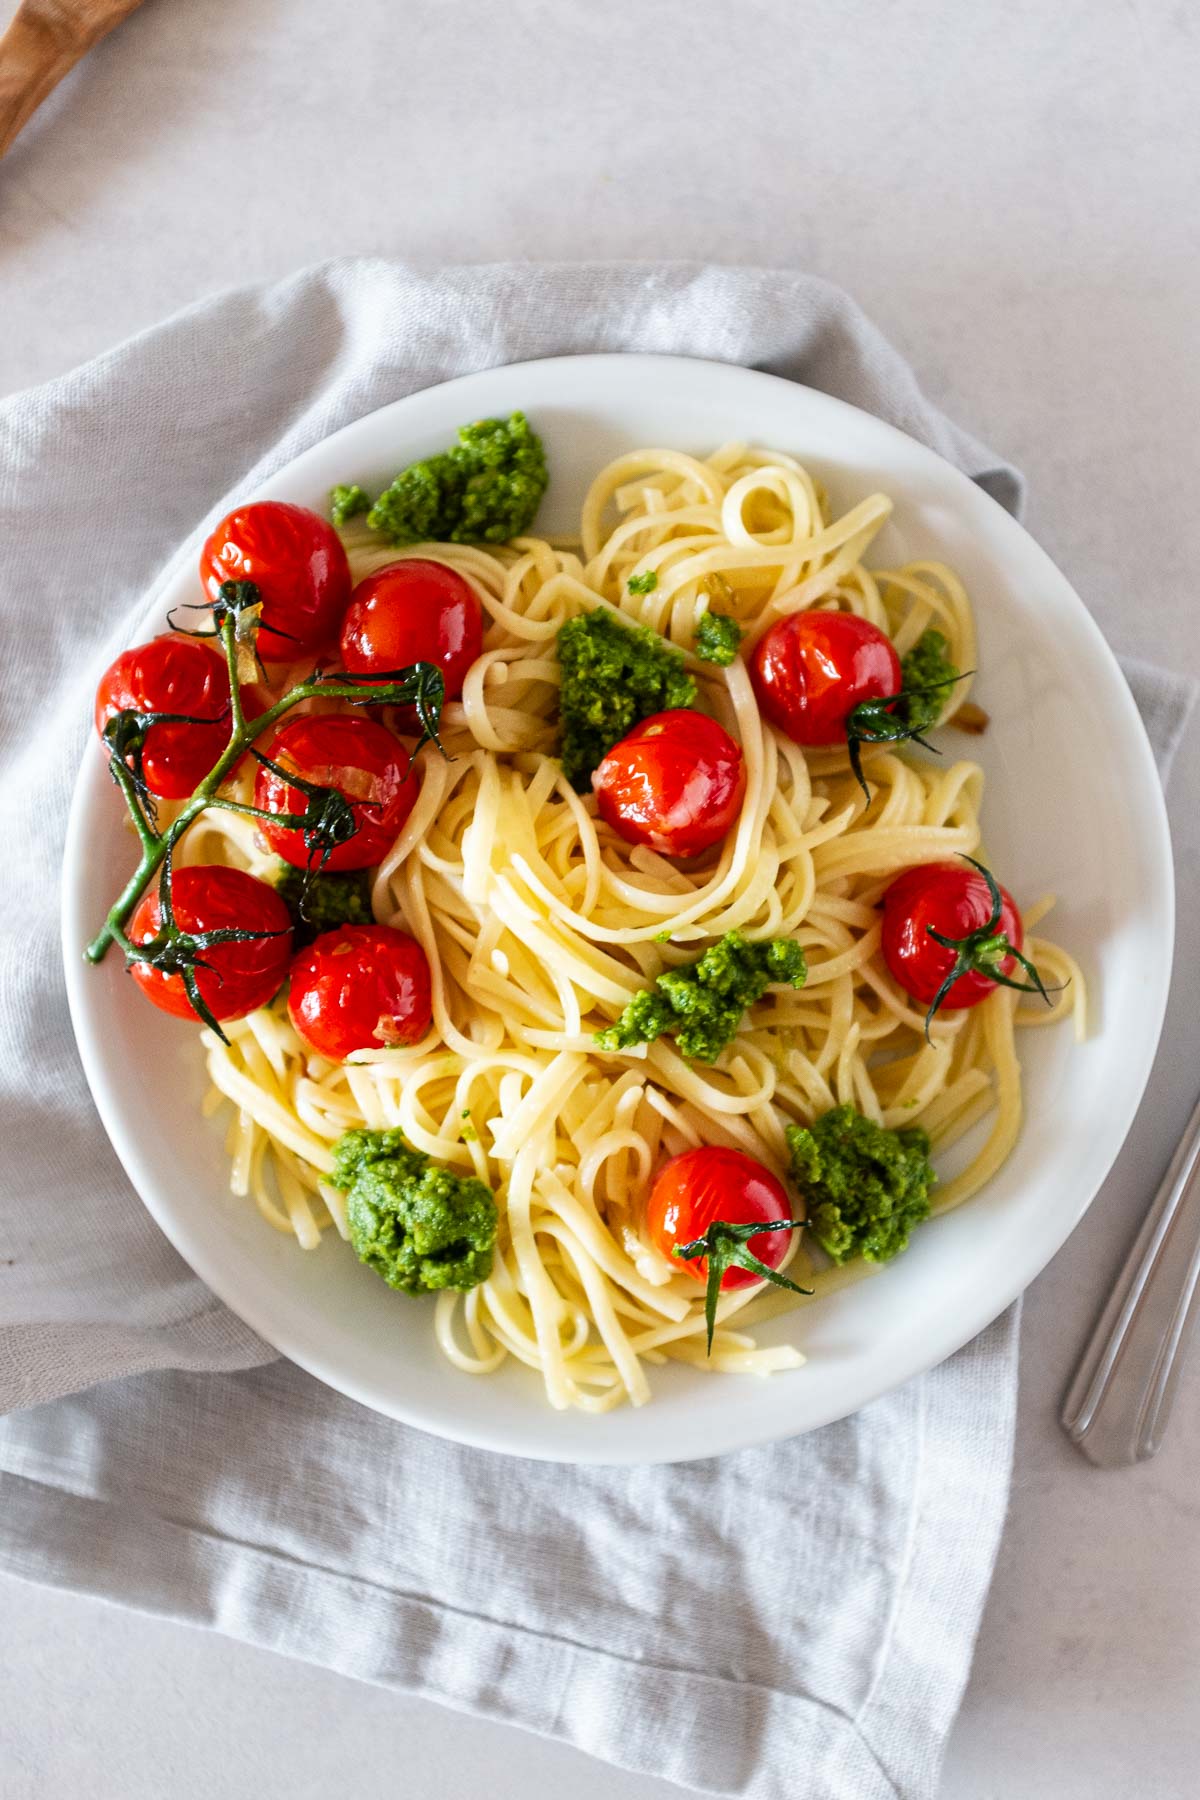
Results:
[613, 676]
[413, 1221]
[925, 667]
[347, 502]
[320, 903]
[717, 638]
[701, 1004]
[643, 584]
[866, 1186]
[485, 489]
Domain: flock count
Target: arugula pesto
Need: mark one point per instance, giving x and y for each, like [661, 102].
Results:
[701, 1004]
[413, 1221]
[322, 902]
[927, 680]
[717, 638]
[613, 677]
[485, 489]
[347, 502]
[866, 1186]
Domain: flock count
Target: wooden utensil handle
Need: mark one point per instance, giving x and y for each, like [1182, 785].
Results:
[44, 41]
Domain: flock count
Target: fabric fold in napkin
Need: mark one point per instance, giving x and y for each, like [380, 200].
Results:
[214, 1484]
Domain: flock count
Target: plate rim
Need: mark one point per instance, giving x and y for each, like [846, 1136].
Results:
[223, 1280]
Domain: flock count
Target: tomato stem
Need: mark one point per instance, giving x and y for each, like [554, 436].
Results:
[874, 722]
[726, 1244]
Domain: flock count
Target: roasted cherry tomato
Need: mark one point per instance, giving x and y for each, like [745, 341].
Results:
[360, 987]
[953, 899]
[413, 611]
[675, 782]
[235, 978]
[298, 563]
[699, 1186]
[811, 669]
[175, 674]
[362, 760]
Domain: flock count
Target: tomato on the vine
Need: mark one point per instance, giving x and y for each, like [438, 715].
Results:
[811, 669]
[297, 562]
[675, 783]
[360, 987]
[700, 1186]
[233, 978]
[175, 674]
[363, 760]
[410, 611]
[951, 935]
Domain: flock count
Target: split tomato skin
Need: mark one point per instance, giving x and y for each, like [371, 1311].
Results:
[239, 977]
[812, 668]
[298, 563]
[952, 899]
[712, 1182]
[675, 783]
[175, 674]
[360, 987]
[363, 760]
[410, 611]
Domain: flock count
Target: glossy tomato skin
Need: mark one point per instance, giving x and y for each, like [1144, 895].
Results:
[675, 783]
[175, 674]
[811, 669]
[240, 976]
[413, 611]
[362, 759]
[953, 899]
[298, 563]
[360, 987]
[710, 1183]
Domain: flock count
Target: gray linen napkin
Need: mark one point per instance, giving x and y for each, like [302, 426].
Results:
[841, 1575]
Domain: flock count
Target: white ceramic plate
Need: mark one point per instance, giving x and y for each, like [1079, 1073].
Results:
[1073, 805]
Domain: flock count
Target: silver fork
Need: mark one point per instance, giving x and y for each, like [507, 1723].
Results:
[1117, 1407]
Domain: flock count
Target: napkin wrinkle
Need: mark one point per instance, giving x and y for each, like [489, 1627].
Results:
[164, 1456]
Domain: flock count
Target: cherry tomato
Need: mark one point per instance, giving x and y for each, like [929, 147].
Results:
[952, 898]
[413, 611]
[699, 1186]
[175, 674]
[362, 760]
[298, 563]
[675, 782]
[238, 977]
[811, 669]
[359, 987]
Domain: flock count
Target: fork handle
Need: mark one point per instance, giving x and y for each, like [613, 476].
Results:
[1117, 1407]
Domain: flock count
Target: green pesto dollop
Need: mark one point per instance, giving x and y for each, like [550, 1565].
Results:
[701, 1004]
[643, 584]
[927, 682]
[320, 903]
[347, 502]
[866, 1186]
[717, 638]
[413, 1221]
[613, 676]
[485, 489]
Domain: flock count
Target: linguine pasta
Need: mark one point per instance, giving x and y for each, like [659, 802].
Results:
[539, 924]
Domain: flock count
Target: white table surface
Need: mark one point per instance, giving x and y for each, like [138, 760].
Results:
[1013, 190]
